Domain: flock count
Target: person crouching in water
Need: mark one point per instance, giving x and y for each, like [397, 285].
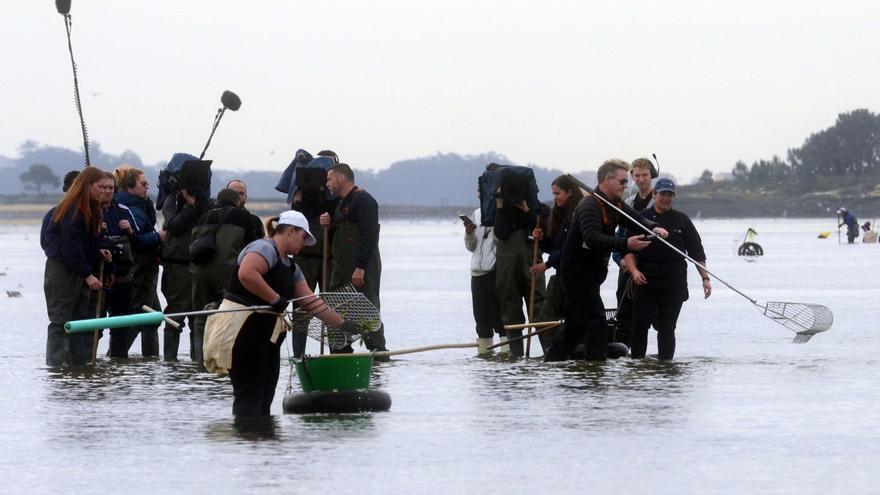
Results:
[247, 344]
[566, 195]
[660, 274]
[585, 259]
[69, 237]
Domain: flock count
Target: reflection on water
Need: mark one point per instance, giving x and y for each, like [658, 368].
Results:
[256, 429]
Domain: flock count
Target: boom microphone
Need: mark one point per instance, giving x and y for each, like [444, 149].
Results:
[63, 6]
[230, 100]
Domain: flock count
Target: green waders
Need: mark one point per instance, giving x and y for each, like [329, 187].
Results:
[145, 279]
[553, 308]
[513, 282]
[310, 260]
[67, 298]
[211, 278]
[345, 238]
[177, 288]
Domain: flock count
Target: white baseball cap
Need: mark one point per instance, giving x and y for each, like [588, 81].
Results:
[297, 219]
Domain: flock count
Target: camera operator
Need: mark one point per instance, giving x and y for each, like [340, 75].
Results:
[181, 213]
[115, 237]
[514, 221]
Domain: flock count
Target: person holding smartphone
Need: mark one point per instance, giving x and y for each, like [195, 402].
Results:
[660, 274]
[480, 241]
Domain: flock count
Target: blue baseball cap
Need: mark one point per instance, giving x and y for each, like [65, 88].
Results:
[665, 184]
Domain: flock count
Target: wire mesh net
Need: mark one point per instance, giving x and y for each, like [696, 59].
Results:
[352, 305]
[804, 319]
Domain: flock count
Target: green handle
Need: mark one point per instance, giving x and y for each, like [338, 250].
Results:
[134, 320]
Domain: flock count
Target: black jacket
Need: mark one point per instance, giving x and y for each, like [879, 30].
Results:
[591, 237]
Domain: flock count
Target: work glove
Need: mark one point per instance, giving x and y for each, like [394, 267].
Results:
[280, 305]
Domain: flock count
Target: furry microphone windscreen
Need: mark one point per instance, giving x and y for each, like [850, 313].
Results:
[63, 6]
[230, 100]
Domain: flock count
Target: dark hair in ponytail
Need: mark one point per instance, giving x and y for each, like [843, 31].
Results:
[273, 228]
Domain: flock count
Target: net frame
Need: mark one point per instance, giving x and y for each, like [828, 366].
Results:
[351, 304]
[805, 319]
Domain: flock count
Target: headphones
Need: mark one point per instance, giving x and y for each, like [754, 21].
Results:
[655, 171]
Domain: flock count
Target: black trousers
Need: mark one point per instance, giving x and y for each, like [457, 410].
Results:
[659, 306]
[256, 363]
[485, 305]
[585, 319]
[624, 310]
[118, 303]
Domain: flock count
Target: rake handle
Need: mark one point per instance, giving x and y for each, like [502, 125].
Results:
[664, 241]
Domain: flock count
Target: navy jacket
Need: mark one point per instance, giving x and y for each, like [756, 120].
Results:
[69, 242]
[145, 237]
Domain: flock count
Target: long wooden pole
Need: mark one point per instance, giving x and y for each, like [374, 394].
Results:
[838, 228]
[98, 313]
[534, 280]
[324, 272]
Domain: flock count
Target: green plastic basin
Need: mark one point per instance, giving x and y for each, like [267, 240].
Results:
[334, 372]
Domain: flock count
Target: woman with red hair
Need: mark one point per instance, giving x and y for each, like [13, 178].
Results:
[69, 239]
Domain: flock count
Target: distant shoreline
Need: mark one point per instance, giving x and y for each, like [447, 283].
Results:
[695, 207]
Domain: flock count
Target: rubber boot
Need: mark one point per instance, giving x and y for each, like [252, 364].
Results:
[171, 343]
[517, 349]
[482, 346]
[504, 349]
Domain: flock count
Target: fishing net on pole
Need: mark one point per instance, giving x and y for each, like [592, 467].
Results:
[352, 305]
[804, 319]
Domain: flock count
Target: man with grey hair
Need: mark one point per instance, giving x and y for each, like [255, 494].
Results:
[585, 258]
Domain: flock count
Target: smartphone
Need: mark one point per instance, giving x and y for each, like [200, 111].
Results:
[464, 218]
[649, 237]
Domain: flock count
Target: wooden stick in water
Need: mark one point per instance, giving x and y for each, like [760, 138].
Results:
[98, 308]
[528, 335]
[324, 273]
[167, 319]
[537, 324]
[534, 280]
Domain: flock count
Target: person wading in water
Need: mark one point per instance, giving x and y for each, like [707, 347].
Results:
[355, 242]
[585, 258]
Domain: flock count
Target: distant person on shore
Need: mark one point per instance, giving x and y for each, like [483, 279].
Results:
[642, 173]
[240, 187]
[660, 274]
[480, 241]
[584, 265]
[852, 225]
[354, 229]
[145, 245]
[566, 195]
[69, 238]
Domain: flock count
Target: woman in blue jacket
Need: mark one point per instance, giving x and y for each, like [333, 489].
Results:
[133, 187]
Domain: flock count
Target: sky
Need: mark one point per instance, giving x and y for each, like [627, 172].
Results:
[563, 84]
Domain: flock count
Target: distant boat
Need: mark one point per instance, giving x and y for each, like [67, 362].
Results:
[13, 293]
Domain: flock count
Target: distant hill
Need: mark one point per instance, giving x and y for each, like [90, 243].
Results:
[439, 180]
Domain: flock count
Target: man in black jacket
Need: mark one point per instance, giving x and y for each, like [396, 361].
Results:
[585, 258]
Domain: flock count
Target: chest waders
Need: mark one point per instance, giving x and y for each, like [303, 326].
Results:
[177, 288]
[209, 279]
[513, 257]
[344, 255]
[145, 282]
[67, 297]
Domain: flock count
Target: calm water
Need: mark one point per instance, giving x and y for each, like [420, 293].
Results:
[740, 409]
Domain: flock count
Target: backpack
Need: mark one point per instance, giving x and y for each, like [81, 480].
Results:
[517, 183]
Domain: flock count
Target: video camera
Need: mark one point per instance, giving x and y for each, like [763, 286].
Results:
[184, 171]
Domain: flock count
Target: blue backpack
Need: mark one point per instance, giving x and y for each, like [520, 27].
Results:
[516, 183]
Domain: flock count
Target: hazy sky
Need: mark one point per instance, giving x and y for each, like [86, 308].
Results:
[558, 83]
